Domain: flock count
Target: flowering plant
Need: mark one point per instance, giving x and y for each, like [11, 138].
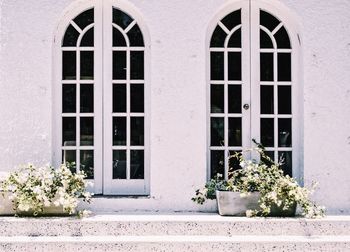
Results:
[32, 189]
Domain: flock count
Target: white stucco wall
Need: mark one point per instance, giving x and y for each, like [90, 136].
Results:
[178, 94]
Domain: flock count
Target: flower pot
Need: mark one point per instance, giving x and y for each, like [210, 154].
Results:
[278, 211]
[232, 204]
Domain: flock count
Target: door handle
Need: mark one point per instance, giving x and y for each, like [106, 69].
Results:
[246, 106]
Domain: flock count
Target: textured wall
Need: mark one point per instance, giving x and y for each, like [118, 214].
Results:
[178, 94]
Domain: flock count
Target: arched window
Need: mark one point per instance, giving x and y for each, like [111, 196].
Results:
[101, 111]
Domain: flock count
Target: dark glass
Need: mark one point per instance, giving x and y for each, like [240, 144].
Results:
[265, 40]
[88, 38]
[271, 155]
[69, 98]
[287, 160]
[137, 131]
[119, 164]
[137, 167]
[86, 65]
[68, 131]
[86, 131]
[284, 66]
[137, 70]
[217, 98]
[135, 36]
[233, 163]
[69, 158]
[284, 132]
[267, 132]
[218, 37]
[70, 37]
[266, 100]
[267, 20]
[119, 65]
[119, 131]
[217, 131]
[284, 100]
[137, 98]
[119, 98]
[217, 163]
[234, 98]
[234, 66]
[86, 98]
[282, 38]
[217, 66]
[87, 163]
[121, 18]
[69, 66]
[85, 18]
[235, 131]
[232, 20]
[266, 66]
[236, 39]
[118, 38]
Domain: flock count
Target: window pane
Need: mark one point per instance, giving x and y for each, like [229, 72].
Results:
[85, 18]
[234, 98]
[135, 36]
[88, 38]
[68, 98]
[285, 132]
[137, 98]
[232, 20]
[87, 163]
[284, 67]
[137, 131]
[69, 159]
[286, 157]
[265, 40]
[282, 38]
[119, 164]
[119, 65]
[121, 18]
[218, 37]
[266, 66]
[118, 38]
[71, 36]
[266, 100]
[284, 100]
[136, 65]
[119, 131]
[69, 65]
[233, 163]
[217, 66]
[267, 132]
[217, 98]
[68, 131]
[119, 98]
[267, 20]
[86, 131]
[235, 131]
[86, 65]
[137, 164]
[234, 66]
[86, 98]
[217, 131]
[217, 163]
[235, 40]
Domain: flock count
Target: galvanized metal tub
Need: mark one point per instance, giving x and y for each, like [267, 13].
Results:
[232, 204]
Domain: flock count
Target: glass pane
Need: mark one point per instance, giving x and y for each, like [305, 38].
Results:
[69, 159]
[88, 38]
[87, 163]
[235, 40]
[69, 65]
[232, 20]
[217, 98]
[85, 18]
[86, 65]
[70, 37]
[284, 67]
[68, 98]
[267, 132]
[217, 66]
[119, 164]
[218, 37]
[86, 131]
[118, 38]
[286, 158]
[282, 38]
[265, 40]
[266, 66]
[234, 66]
[267, 20]
[285, 132]
[137, 98]
[135, 36]
[234, 98]
[120, 18]
[119, 98]
[119, 65]
[86, 98]
[284, 100]
[137, 65]
[68, 131]
[233, 163]
[217, 131]
[137, 164]
[217, 163]
[119, 131]
[137, 131]
[266, 100]
[235, 131]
